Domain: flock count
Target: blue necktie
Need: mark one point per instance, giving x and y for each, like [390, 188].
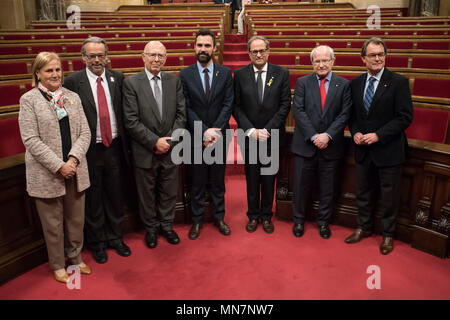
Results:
[368, 97]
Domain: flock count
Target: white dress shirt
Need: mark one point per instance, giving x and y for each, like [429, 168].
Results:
[112, 116]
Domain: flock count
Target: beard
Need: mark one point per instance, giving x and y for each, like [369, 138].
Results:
[203, 57]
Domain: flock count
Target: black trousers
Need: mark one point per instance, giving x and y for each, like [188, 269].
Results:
[203, 174]
[368, 176]
[157, 189]
[104, 202]
[306, 171]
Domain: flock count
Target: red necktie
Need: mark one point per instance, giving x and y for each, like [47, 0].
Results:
[105, 122]
[323, 92]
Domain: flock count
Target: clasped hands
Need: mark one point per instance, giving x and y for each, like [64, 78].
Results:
[365, 139]
[321, 140]
[260, 134]
[69, 169]
[162, 145]
[211, 136]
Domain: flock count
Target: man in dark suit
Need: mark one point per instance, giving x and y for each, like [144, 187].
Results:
[262, 103]
[208, 89]
[154, 108]
[382, 110]
[100, 90]
[322, 105]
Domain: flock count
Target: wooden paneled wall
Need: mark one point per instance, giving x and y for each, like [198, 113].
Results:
[424, 216]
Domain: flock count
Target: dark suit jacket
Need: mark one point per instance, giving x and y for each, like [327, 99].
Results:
[142, 118]
[310, 120]
[214, 112]
[272, 113]
[78, 82]
[391, 112]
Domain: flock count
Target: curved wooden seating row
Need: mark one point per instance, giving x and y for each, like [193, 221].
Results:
[70, 35]
[131, 25]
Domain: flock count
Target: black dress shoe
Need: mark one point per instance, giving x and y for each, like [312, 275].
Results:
[325, 232]
[298, 230]
[195, 231]
[358, 235]
[223, 227]
[171, 236]
[151, 239]
[387, 245]
[268, 226]
[100, 255]
[251, 225]
[122, 249]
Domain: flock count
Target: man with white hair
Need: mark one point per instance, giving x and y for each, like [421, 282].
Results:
[322, 102]
[154, 107]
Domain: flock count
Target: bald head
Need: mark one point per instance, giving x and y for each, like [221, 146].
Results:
[154, 45]
[322, 58]
[154, 56]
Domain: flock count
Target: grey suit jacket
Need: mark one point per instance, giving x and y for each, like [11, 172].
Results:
[142, 118]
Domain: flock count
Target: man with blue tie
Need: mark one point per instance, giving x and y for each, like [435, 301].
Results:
[382, 110]
[321, 109]
[208, 89]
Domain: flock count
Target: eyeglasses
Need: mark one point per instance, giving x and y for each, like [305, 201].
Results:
[154, 55]
[255, 52]
[324, 61]
[373, 55]
[94, 55]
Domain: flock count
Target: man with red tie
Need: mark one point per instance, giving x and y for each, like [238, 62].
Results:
[322, 102]
[100, 90]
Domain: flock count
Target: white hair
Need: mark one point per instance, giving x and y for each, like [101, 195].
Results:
[330, 50]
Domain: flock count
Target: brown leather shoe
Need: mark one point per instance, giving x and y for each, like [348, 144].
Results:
[387, 245]
[223, 227]
[84, 268]
[251, 225]
[64, 278]
[268, 226]
[357, 236]
[195, 231]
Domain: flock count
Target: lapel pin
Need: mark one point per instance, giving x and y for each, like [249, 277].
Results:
[111, 78]
[270, 82]
[337, 85]
[217, 73]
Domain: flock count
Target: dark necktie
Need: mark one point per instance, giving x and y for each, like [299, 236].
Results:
[105, 122]
[368, 97]
[207, 88]
[323, 92]
[259, 85]
[157, 94]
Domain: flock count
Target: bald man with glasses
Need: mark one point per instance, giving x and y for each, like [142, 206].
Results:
[154, 107]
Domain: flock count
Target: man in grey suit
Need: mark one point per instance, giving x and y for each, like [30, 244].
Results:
[154, 107]
[322, 103]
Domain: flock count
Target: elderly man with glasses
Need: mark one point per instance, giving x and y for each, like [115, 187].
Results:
[322, 105]
[100, 90]
[154, 107]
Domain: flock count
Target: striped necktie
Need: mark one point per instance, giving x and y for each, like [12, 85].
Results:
[368, 97]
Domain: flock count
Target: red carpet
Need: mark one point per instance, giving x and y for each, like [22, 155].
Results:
[248, 266]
